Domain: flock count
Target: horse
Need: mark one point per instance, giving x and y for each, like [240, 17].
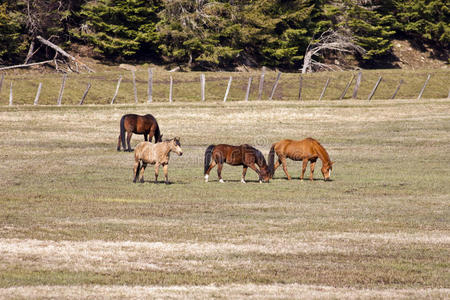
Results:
[155, 154]
[307, 150]
[243, 155]
[132, 123]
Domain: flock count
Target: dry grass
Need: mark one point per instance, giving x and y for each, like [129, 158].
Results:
[71, 218]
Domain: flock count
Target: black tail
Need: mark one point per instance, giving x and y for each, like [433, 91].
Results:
[122, 132]
[208, 155]
[271, 160]
[136, 177]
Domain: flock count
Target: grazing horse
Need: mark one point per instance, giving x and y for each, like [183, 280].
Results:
[132, 123]
[307, 150]
[155, 154]
[243, 155]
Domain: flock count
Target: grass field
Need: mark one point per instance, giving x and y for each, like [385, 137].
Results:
[72, 223]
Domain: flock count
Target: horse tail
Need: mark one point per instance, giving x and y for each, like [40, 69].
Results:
[208, 156]
[122, 131]
[271, 160]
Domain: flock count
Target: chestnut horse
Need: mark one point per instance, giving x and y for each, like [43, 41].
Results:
[132, 123]
[307, 150]
[243, 155]
[155, 154]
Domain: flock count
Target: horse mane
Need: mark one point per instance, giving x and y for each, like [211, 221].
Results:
[260, 157]
[321, 150]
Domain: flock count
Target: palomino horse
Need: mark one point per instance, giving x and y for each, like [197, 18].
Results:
[155, 154]
[305, 150]
[243, 155]
[132, 123]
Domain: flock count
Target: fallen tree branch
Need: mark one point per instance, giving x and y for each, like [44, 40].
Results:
[26, 65]
[62, 52]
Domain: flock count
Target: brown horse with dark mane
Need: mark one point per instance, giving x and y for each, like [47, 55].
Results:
[307, 150]
[132, 123]
[243, 155]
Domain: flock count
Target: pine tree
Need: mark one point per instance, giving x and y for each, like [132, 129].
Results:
[120, 28]
[12, 44]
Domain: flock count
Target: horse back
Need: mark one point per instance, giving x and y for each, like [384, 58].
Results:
[296, 150]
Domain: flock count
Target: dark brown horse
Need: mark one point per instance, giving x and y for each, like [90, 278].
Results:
[307, 150]
[132, 123]
[243, 155]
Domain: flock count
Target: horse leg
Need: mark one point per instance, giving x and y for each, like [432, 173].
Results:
[156, 172]
[128, 140]
[144, 165]
[136, 169]
[166, 173]
[312, 165]
[304, 164]
[253, 167]
[146, 137]
[277, 164]
[283, 162]
[244, 171]
[219, 171]
[211, 165]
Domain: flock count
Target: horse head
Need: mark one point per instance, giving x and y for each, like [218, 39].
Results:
[326, 170]
[264, 174]
[175, 146]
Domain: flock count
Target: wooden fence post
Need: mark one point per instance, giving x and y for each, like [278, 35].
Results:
[424, 86]
[202, 86]
[247, 94]
[11, 94]
[324, 89]
[228, 89]
[171, 90]
[85, 93]
[397, 89]
[275, 86]
[346, 87]
[150, 86]
[38, 93]
[374, 88]
[1, 82]
[61, 90]
[117, 89]
[300, 88]
[133, 73]
[357, 84]
[261, 84]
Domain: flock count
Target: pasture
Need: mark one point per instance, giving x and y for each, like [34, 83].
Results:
[72, 223]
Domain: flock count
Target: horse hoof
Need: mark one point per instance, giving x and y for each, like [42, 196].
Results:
[221, 181]
[206, 177]
[243, 181]
[260, 181]
[166, 182]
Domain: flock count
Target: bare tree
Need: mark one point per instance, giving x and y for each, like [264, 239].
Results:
[330, 40]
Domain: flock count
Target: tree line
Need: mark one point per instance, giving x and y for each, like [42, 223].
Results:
[212, 34]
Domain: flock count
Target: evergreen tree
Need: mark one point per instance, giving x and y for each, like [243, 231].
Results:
[120, 27]
[12, 44]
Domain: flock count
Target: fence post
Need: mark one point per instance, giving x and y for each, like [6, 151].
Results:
[247, 94]
[38, 93]
[228, 89]
[61, 90]
[346, 87]
[357, 84]
[1, 82]
[202, 86]
[275, 86]
[150, 85]
[85, 93]
[261, 83]
[374, 88]
[117, 89]
[424, 86]
[324, 89]
[397, 89]
[171, 90]
[11, 94]
[300, 88]
[133, 73]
